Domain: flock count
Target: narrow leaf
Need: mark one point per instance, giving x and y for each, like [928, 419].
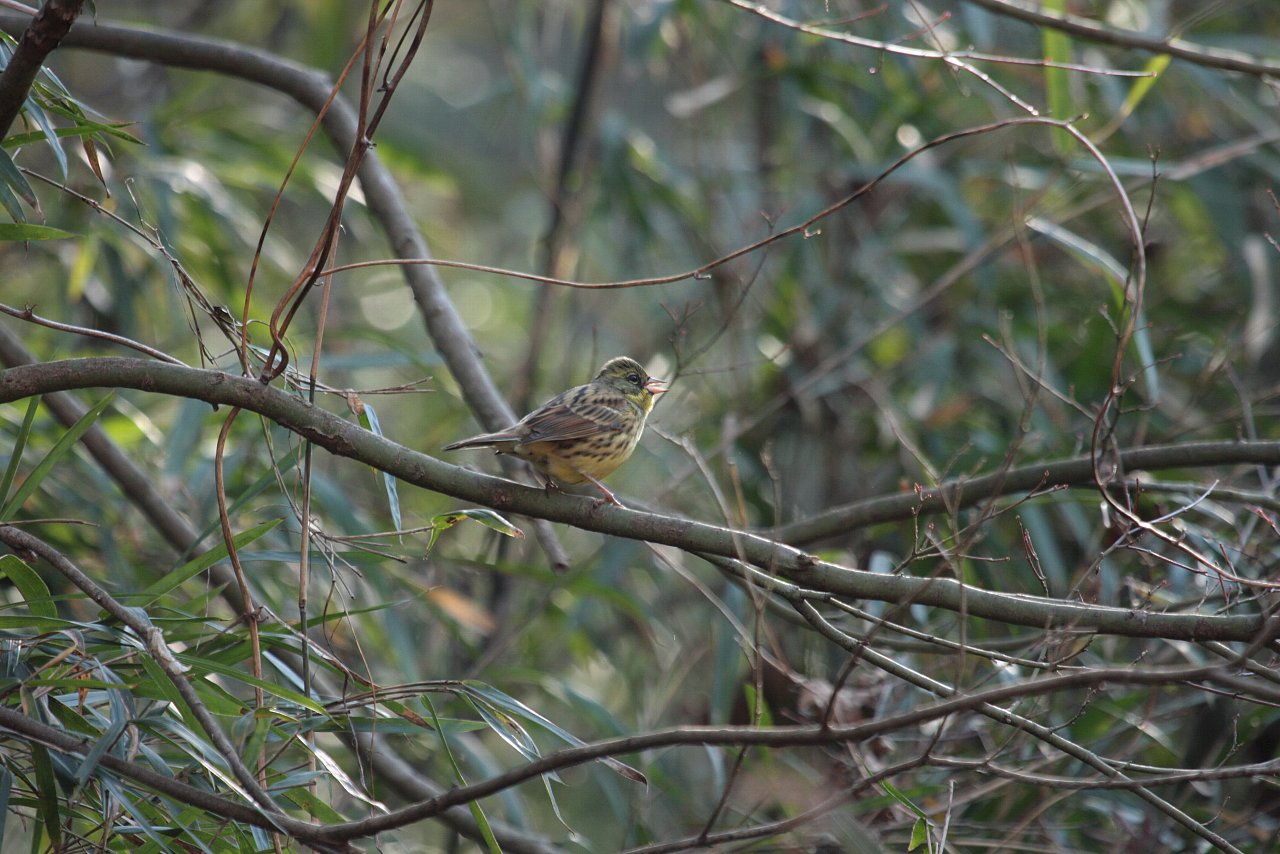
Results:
[486, 517]
[1155, 67]
[200, 563]
[369, 420]
[14, 179]
[47, 794]
[64, 446]
[26, 231]
[1057, 49]
[518, 709]
[19, 444]
[37, 114]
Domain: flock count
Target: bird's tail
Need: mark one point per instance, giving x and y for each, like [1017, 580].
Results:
[484, 440]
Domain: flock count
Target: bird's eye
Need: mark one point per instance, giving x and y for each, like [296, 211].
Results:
[633, 378]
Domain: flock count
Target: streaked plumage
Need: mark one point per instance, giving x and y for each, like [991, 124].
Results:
[585, 433]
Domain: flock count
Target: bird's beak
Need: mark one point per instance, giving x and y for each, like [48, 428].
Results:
[656, 387]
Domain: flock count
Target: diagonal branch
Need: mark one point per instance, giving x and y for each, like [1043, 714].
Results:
[1210, 57]
[40, 39]
[22, 542]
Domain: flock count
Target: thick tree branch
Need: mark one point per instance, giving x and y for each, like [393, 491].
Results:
[345, 439]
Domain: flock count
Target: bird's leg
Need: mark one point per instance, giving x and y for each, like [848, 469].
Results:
[609, 497]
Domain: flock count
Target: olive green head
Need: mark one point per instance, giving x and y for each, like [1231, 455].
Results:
[629, 379]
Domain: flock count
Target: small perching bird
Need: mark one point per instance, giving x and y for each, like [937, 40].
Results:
[584, 433]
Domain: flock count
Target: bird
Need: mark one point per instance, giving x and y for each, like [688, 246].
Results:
[582, 434]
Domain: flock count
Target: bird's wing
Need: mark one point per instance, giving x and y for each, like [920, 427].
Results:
[578, 413]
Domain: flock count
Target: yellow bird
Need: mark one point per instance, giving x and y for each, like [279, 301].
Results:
[584, 433]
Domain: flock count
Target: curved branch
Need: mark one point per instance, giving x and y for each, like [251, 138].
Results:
[313, 90]
[776, 736]
[345, 439]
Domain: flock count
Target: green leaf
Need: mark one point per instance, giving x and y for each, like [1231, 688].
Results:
[369, 420]
[506, 728]
[65, 445]
[317, 807]
[32, 587]
[498, 700]
[47, 794]
[485, 830]
[121, 714]
[38, 624]
[483, 515]
[476, 812]
[199, 564]
[1155, 66]
[920, 830]
[19, 444]
[84, 128]
[68, 684]
[38, 115]
[26, 231]
[276, 689]
[161, 685]
[16, 182]
[919, 834]
[1057, 49]
[141, 820]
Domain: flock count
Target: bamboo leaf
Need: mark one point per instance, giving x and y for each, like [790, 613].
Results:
[21, 231]
[65, 445]
[29, 583]
[197, 565]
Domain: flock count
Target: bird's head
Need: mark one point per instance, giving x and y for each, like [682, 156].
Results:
[629, 379]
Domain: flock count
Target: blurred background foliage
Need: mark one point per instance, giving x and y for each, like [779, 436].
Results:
[958, 318]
